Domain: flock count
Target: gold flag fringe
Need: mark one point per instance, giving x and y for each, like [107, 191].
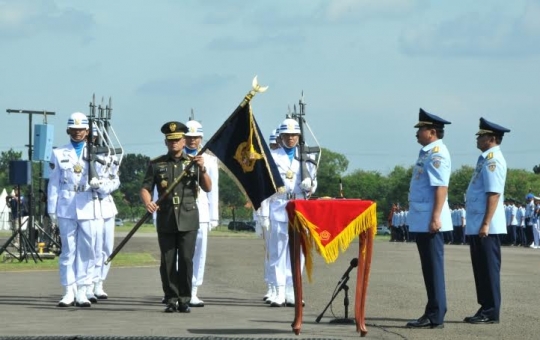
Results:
[365, 222]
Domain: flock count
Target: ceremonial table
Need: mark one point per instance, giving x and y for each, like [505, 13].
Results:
[328, 226]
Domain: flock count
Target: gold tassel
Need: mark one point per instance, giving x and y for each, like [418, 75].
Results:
[311, 239]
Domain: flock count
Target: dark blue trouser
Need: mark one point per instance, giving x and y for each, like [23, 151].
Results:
[486, 264]
[431, 251]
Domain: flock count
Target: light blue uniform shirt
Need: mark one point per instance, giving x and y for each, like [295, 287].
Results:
[489, 176]
[432, 170]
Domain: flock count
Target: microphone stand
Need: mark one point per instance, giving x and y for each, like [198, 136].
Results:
[342, 286]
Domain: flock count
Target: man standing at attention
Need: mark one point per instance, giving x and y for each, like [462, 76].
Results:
[208, 204]
[486, 220]
[177, 215]
[429, 214]
[72, 203]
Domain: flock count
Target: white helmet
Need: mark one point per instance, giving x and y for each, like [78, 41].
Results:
[289, 125]
[194, 129]
[273, 137]
[77, 120]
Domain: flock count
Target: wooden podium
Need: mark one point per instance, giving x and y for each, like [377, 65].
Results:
[328, 226]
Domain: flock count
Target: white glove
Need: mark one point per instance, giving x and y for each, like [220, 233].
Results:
[95, 183]
[306, 184]
[213, 224]
[265, 222]
[53, 218]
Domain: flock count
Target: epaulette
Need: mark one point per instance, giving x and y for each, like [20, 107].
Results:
[435, 149]
[158, 159]
[490, 155]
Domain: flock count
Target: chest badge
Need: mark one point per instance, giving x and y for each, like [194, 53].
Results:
[77, 168]
[163, 184]
[289, 174]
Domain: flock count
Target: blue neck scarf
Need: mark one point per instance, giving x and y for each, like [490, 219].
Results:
[189, 151]
[78, 146]
[290, 152]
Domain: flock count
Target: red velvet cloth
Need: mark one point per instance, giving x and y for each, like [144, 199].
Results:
[330, 216]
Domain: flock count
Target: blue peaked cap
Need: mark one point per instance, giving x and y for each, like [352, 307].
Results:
[429, 119]
[487, 127]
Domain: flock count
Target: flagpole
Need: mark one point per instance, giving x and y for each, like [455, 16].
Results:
[256, 88]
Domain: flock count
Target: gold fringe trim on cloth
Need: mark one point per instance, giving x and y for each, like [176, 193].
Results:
[364, 222]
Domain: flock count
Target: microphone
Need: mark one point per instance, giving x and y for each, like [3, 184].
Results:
[353, 264]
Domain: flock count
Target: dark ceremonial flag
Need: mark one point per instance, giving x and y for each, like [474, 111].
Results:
[239, 145]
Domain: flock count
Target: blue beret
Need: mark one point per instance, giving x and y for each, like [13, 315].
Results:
[487, 127]
[429, 119]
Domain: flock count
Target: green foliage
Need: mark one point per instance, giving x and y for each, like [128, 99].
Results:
[229, 193]
[132, 171]
[5, 158]
[383, 189]
[331, 169]
[232, 200]
[459, 181]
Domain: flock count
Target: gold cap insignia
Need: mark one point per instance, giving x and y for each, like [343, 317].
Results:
[172, 127]
[77, 121]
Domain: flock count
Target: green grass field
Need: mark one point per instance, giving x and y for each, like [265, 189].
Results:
[122, 259]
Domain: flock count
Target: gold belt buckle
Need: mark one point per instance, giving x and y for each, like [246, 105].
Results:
[176, 200]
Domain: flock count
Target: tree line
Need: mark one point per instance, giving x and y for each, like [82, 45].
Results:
[385, 190]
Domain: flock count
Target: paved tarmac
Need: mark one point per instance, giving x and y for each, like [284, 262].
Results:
[234, 287]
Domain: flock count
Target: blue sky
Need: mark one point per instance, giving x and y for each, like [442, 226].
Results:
[365, 67]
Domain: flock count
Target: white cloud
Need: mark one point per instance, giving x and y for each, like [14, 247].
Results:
[477, 35]
[366, 9]
[25, 18]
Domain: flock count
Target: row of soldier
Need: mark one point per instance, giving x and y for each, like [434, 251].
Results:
[177, 221]
[522, 224]
[84, 213]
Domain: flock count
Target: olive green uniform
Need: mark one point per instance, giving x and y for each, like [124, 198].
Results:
[177, 224]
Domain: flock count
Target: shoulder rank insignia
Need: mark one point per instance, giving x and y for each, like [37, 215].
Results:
[490, 155]
[436, 162]
[435, 149]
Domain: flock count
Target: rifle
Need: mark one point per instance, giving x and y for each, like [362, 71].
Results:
[101, 124]
[91, 154]
[303, 150]
[256, 88]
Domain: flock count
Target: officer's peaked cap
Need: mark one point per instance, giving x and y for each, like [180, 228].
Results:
[487, 127]
[430, 120]
[174, 130]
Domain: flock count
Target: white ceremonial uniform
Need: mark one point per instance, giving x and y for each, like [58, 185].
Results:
[489, 176]
[262, 215]
[289, 170]
[110, 181]
[76, 207]
[208, 205]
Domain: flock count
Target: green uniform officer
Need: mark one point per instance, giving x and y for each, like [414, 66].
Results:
[177, 214]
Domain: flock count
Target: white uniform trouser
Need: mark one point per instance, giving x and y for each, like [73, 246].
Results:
[535, 233]
[77, 256]
[199, 258]
[85, 259]
[103, 247]
[267, 268]
[98, 246]
[280, 264]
